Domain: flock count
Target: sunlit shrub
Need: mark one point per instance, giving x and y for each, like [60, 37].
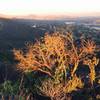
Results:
[58, 56]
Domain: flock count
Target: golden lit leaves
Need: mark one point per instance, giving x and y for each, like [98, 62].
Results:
[92, 63]
[73, 84]
[54, 43]
[89, 46]
[27, 61]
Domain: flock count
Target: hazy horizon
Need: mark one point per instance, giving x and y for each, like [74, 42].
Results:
[50, 7]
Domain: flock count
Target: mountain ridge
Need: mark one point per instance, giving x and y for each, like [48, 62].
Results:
[49, 17]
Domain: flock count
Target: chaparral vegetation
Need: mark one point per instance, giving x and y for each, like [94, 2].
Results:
[53, 68]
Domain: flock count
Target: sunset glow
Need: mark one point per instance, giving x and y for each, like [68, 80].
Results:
[42, 7]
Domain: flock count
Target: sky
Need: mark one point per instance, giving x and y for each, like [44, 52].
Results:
[47, 7]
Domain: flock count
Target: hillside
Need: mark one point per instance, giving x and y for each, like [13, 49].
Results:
[14, 33]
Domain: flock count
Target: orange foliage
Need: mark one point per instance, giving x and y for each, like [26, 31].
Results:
[92, 63]
[57, 51]
[73, 84]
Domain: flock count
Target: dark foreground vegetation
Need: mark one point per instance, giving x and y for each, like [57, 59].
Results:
[58, 66]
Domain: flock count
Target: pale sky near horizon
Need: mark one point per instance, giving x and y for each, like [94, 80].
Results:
[24, 7]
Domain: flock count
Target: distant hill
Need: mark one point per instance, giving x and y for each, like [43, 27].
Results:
[45, 17]
[54, 16]
[37, 17]
[14, 33]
